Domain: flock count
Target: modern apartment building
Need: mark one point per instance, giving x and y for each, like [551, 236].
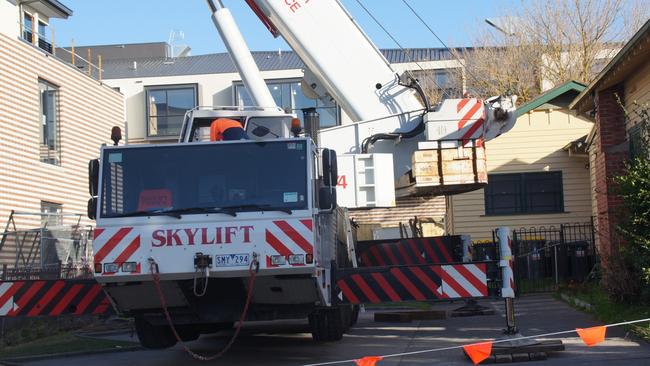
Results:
[53, 118]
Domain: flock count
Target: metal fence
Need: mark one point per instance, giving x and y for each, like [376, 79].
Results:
[548, 257]
[46, 253]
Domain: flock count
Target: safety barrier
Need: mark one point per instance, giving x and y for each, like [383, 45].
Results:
[52, 298]
[417, 282]
[480, 351]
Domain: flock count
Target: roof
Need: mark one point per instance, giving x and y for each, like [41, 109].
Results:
[220, 63]
[122, 51]
[625, 63]
[571, 86]
[51, 8]
[578, 146]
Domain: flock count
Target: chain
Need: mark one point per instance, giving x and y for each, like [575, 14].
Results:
[252, 272]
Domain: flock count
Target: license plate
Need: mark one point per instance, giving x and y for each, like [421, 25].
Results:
[232, 260]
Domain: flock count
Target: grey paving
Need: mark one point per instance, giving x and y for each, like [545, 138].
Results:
[288, 343]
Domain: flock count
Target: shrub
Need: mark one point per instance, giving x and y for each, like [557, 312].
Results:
[634, 189]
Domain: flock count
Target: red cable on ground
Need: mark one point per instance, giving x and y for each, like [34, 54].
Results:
[251, 281]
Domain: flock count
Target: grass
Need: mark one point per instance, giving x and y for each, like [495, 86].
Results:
[609, 311]
[60, 343]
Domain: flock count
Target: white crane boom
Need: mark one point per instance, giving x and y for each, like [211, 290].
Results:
[240, 55]
[345, 63]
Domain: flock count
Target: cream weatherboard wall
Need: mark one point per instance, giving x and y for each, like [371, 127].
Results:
[637, 93]
[87, 110]
[533, 145]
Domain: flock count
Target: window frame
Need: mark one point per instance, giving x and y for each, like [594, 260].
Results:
[166, 87]
[523, 196]
[45, 219]
[57, 123]
[27, 32]
[283, 81]
[446, 91]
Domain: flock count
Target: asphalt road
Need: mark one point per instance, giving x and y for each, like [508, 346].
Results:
[288, 343]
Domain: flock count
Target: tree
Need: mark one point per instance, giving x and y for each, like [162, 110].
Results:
[546, 43]
[634, 223]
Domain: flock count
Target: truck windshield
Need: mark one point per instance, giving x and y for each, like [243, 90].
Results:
[243, 176]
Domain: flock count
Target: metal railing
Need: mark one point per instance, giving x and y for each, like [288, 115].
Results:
[69, 56]
[46, 252]
[547, 257]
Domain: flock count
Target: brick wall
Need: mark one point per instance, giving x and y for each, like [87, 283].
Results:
[611, 151]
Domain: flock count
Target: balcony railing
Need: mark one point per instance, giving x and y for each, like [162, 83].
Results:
[68, 55]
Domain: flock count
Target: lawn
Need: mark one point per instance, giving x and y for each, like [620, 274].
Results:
[61, 343]
[609, 311]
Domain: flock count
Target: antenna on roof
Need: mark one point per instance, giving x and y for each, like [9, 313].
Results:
[176, 49]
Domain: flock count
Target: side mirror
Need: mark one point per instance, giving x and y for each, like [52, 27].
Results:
[93, 177]
[327, 198]
[330, 168]
[92, 208]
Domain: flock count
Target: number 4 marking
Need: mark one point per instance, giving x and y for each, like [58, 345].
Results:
[342, 181]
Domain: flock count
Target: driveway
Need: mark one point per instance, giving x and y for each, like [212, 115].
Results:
[288, 343]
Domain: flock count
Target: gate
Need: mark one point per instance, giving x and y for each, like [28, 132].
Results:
[547, 257]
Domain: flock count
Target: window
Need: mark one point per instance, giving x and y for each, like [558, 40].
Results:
[289, 96]
[440, 83]
[50, 150]
[51, 214]
[637, 140]
[166, 106]
[43, 43]
[524, 193]
[28, 26]
[248, 178]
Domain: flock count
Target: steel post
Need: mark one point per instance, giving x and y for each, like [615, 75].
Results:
[312, 123]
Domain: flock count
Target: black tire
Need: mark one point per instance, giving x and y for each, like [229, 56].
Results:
[355, 315]
[188, 333]
[335, 326]
[215, 327]
[327, 325]
[346, 314]
[154, 336]
[318, 325]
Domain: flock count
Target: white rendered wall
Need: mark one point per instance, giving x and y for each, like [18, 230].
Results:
[9, 18]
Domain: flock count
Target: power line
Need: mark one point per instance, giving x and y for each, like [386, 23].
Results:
[444, 92]
[469, 72]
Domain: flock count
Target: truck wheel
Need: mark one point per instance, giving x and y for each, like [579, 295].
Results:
[318, 325]
[346, 316]
[154, 336]
[335, 326]
[188, 332]
[355, 315]
[216, 327]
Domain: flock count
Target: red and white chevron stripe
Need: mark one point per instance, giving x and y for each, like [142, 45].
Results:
[464, 280]
[116, 245]
[287, 237]
[472, 122]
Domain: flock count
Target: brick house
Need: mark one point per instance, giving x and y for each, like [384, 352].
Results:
[625, 78]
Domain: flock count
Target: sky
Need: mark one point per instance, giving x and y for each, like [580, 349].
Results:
[96, 22]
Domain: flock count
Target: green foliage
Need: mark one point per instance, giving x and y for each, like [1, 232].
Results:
[634, 189]
[61, 343]
[609, 311]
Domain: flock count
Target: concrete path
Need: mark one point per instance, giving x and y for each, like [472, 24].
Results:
[288, 343]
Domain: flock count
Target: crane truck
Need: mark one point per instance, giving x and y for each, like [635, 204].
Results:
[182, 227]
